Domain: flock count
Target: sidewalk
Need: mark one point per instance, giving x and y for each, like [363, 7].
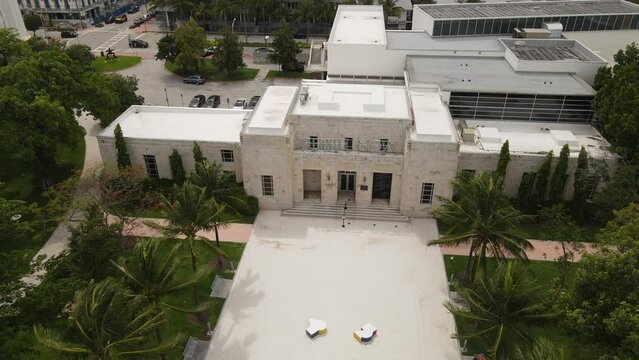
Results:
[59, 240]
[544, 250]
[238, 233]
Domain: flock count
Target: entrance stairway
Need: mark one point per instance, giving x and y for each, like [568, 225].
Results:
[353, 212]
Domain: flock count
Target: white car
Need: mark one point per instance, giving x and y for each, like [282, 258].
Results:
[239, 104]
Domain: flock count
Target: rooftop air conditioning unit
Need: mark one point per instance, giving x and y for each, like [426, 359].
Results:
[303, 95]
[468, 135]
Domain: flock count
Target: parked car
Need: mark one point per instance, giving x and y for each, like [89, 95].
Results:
[239, 104]
[147, 17]
[213, 101]
[121, 19]
[68, 34]
[133, 9]
[99, 25]
[109, 20]
[298, 68]
[208, 52]
[137, 43]
[194, 79]
[253, 103]
[299, 35]
[262, 50]
[139, 21]
[197, 101]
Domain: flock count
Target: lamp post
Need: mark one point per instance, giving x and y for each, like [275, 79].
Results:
[266, 40]
[344, 213]
[233, 25]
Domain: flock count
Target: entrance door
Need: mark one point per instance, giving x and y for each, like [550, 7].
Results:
[382, 185]
[312, 184]
[346, 181]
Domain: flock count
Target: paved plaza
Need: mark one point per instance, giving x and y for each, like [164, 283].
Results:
[295, 268]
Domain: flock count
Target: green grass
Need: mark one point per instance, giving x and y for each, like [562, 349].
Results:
[179, 322]
[211, 72]
[539, 232]
[542, 273]
[272, 74]
[120, 63]
[22, 182]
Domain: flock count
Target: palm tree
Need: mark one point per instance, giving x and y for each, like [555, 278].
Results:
[190, 212]
[220, 187]
[483, 217]
[542, 349]
[305, 12]
[390, 8]
[502, 305]
[108, 324]
[152, 276]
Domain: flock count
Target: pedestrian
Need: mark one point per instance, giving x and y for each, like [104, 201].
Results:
[228, 103]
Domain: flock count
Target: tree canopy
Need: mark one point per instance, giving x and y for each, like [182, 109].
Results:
[602, 306]
[285, 48]
[617, 102]
[191, 41]
[228, 56]
[32, 22]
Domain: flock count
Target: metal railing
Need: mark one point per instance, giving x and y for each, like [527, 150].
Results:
[379, 146]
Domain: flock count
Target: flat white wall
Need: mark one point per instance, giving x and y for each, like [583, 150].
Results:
[268, 155]
[520, 164]
[427, 163]
[162, 149]
[12, 18]
[421, 21]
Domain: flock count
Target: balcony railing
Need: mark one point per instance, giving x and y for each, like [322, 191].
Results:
[379, 146]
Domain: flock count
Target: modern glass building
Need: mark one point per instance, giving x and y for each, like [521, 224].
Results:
[502, 18]
[521, 107]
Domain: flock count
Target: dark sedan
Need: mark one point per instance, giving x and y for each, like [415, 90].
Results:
[213, 101]
[133, 10]
[109, 20]
[137, 43]
[197, 101]
[253, 102]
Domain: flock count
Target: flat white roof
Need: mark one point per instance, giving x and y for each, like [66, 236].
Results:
[536, 138]
[358, 24]
[605, 43]
[490, 74]
[179, 123]
[269, 118]
[295, 268]
[432, 119]
[353, 100]
[421, 40]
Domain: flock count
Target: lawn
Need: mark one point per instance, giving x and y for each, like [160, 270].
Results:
[122, 62]
[542, 272]
[23, 182]
[211, 72]
[539, 232]
[178, 322]
[272, 74]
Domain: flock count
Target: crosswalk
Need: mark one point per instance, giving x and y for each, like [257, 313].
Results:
[114, 40]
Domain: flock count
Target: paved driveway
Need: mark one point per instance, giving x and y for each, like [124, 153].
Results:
[294, 268]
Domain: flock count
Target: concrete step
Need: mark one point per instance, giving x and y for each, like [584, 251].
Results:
[372, 212]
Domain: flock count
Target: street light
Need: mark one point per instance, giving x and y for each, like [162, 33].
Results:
[266, 40]
[233, 24]
[344, 213]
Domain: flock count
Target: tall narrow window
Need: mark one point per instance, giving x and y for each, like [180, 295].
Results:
[227, 156]
[427, 193]
[151, 166]
[267, 185]
[312, 143]
[348, 143]
[383, 145]
[467, 173]
[231, 175]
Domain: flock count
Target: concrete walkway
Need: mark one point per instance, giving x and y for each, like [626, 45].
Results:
[544, 250]
[238, 233]
[59, 240]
